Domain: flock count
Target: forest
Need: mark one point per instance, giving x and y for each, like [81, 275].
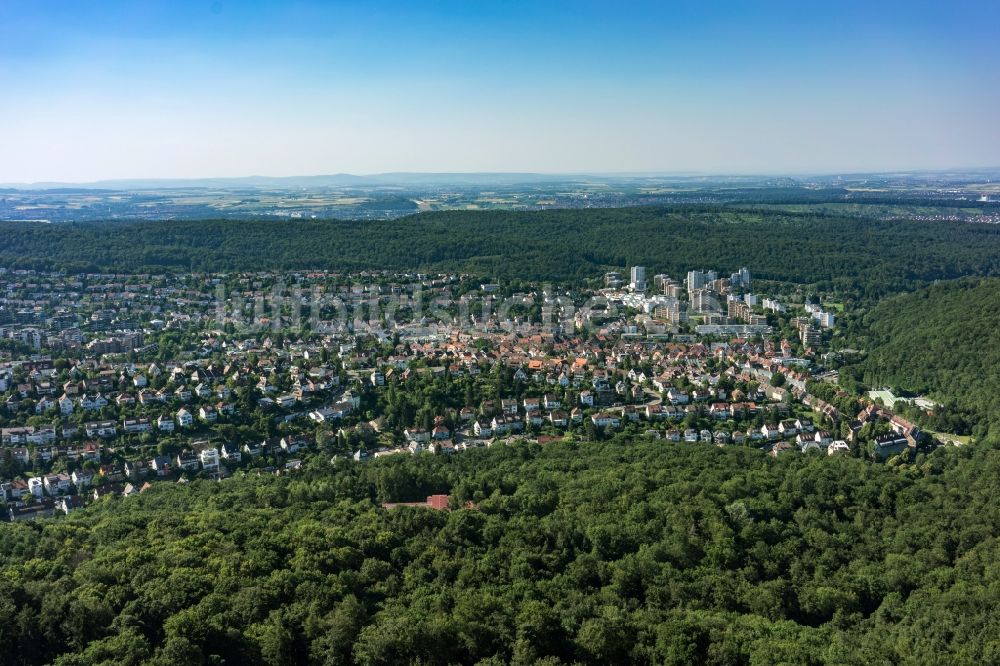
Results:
[597, 553]
[862, 256]
[940, 341]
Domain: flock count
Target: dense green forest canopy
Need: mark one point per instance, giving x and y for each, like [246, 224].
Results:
[942, 341]
[868, 256]
[602, 553]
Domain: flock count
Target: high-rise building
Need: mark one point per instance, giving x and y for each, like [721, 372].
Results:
[638, 278]
[612, 279]
[741, 278]
[700, 279]
[810, 336]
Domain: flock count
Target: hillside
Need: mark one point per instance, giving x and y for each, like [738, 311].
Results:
[941, 341]
[867, 256]
[597, 553]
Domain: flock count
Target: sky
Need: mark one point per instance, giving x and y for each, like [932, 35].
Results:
[188, 88]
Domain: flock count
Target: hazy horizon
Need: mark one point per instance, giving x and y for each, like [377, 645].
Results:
[203, 90]
[443, 177]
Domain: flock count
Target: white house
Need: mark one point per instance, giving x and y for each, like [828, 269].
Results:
[184, 418]
[165, 423]
[209, 459]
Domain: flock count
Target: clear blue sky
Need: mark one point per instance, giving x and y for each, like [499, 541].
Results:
[92, 90]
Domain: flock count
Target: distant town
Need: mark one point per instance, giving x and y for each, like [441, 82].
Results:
[939, 196]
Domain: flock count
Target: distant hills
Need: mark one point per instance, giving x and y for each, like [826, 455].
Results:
[481, 179]
[329, 180]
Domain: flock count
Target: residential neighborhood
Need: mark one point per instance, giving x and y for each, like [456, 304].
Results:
[112, 382]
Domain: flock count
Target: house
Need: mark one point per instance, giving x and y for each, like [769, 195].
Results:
[440, 432]
[336, 411]
[286, 401]
[838, 446]
[673, 435]
[675, 397]
[208, 414]
[136, 469]
[788, 428]
[36, 486]
[42, 436]
[508, 406]
[91, 451]
[165, 423]
[69, 503]
[889, 445]
[550, 402]
[483, 428]
[65, 405]
[109, 490]
[719, 410]
[417, 435]
[125, 400]
[499, 425]
[111, 474]
[253, 450]
[188, 461]
[690, 435]
[770, 431]
[531, 404]
[20, 512]
[231, 453]
[807, 444]
[559, 418]
[209, 459]
[586, 398]
[630, 413]
[606, 420]
[291, 444]
[57, 484]
[445, 446]
[779, 448]
[81, 479]
[100, 429]
[92, 402]
[136, 425]
[14, 490]
[17, 435]
[161, 465]
[184, 418]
